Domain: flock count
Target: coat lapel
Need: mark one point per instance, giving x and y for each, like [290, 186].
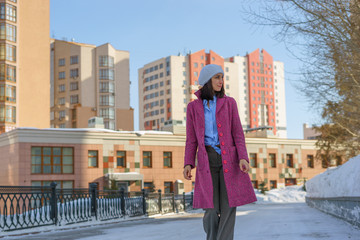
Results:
[219, 103]
[200, 115]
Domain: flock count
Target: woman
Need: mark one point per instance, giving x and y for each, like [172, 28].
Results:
[214, 132]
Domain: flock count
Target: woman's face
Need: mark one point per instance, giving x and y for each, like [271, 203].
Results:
[217, 82]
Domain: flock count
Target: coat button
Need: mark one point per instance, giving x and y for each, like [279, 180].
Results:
[222, 143]
[226, 170]
[223, 152]
[221, 134]
[225, 162]
[219, 125]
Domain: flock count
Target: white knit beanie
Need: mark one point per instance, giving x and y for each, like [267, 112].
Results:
[208, 72]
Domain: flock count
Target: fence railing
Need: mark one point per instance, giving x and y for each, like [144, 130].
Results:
[27, 207]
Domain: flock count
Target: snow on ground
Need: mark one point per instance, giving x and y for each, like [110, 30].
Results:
[291, 194]
[342, 181]
[295, 221]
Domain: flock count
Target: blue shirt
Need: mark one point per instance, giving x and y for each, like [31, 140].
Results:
[211, 132]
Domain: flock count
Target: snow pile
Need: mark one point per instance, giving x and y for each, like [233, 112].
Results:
[291, 194]
[342, 181]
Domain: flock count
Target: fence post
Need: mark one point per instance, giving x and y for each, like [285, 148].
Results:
[160, 204]
[192, 200]
[93, 187]
[173, 200]
[122, 197]
[184, 199]
[53, 203]
[144, 200]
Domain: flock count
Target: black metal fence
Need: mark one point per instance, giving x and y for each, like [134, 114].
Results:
[27, 207]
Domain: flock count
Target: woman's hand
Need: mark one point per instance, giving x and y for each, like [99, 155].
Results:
[244, 166]
[187, 172]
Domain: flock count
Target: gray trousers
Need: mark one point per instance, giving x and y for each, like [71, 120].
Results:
[219, 222]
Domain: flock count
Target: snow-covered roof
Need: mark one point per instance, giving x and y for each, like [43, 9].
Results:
[139, 133]
[126, 176]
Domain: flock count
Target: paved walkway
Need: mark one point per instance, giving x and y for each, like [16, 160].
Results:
[254, 222]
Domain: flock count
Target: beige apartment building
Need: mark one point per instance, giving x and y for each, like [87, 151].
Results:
[256, 82]
[89, 81]
[136, 160]
[24, 64]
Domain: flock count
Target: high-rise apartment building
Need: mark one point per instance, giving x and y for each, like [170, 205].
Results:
[24, 64]
[256, 81]
[89, 81]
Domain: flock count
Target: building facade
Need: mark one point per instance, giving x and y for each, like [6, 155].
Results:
[89, 81]
[24, 64]
[136, 160]
[256, 81]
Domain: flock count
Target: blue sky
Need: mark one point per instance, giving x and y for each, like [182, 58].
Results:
[150, 30]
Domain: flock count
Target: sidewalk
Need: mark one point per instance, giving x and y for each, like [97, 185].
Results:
[254, 222]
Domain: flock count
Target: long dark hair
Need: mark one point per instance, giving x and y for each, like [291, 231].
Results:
[207, 92]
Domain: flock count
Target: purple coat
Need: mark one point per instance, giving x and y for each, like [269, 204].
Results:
[233, 148]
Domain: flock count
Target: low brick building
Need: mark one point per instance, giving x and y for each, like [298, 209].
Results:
[136, 159]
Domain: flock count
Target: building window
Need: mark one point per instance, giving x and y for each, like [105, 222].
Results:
[74, 60]
[59, 184]
[106, 74]
[338, 160]
[226, 69]
[7, 114]
[7, 52]
[52, 160]
[195, 65]
[147, 159]
[106, 61]
[273, 184]
[254, 184]
[109, 125]
[167, 159]
[272, 160]
[62, 88]
[253, 160]
[10, 73]
[121, 159]
[107, 113]
[61, 62]
[324, 162]
[290, 181]
[62, 125]
[7, 32]
[168, 187]
[61, 75]
[149, 187]
[93, 158]
[74, 86]
[8, 12]
[74, 73]
[62, 114]
[7, 93]
[289, 160]
[106, 100]
[106, 87]
[310, 161]
[7, 72]
[74, 99]
[62, 101]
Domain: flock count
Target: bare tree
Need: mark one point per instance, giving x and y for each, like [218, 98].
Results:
[327, 35]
